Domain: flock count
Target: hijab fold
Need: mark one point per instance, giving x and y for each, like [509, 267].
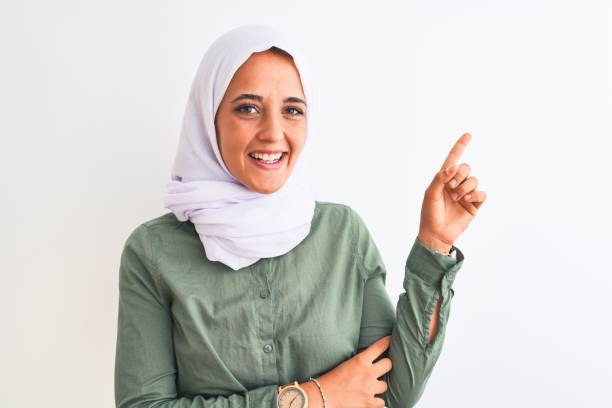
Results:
[236, 225]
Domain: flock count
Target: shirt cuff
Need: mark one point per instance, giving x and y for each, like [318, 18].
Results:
[431, 266]
[264, 396]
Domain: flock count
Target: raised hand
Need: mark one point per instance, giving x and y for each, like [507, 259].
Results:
[451, 201]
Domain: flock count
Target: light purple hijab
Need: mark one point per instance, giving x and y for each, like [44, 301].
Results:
[236, 225]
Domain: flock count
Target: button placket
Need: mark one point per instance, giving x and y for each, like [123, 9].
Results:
[266, 312]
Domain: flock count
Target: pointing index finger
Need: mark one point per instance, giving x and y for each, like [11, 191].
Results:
[457, 150]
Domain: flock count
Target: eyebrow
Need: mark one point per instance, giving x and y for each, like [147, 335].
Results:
[260, 98]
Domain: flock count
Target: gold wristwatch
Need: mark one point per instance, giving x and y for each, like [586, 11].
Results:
[291, 395]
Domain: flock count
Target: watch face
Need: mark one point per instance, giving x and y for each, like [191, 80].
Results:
[291, 397]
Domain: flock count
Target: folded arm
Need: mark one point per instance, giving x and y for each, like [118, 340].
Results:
[417, 323]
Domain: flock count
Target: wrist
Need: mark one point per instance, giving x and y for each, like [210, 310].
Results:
[435, 244]
[315, 400]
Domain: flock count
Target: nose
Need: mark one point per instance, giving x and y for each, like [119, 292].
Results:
[272, 129]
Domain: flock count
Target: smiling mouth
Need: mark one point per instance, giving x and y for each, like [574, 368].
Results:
[269, 164]
[269, 161]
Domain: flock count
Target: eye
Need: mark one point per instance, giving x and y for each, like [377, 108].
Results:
[241, 110]
[296, 110]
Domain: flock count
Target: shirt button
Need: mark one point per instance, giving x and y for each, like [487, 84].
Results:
[267, 348]
[264, 293]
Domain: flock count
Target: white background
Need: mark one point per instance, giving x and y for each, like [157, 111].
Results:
[92, 98]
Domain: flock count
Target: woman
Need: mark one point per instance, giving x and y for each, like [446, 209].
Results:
[250, 293]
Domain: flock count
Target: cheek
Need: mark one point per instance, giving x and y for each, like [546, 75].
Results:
[298, 136]
[235, 138]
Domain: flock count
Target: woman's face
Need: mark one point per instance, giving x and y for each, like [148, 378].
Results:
[263, 111]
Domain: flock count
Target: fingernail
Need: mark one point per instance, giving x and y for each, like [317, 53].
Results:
[450, 169]
[453, 183]
[468, 196]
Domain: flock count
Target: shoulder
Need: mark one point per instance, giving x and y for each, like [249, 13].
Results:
[340, 212]
[148, 232]
[168, 219]
[334, 215]
[167, 224]
[338, 219]
[331, 207]
[328, 208]
[346, 237]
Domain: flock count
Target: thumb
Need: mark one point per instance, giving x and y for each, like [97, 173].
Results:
[441, 178]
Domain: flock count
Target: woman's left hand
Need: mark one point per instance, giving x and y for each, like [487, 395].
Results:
[451, 201]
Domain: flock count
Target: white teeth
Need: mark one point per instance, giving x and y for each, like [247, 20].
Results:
[267, 158]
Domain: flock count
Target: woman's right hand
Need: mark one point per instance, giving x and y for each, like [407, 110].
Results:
[354, 383]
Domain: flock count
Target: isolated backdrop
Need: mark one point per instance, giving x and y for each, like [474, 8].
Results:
[91, 106]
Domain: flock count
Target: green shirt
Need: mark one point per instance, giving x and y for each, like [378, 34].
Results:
[195, 333]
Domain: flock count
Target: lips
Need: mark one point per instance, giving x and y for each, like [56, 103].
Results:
[269, 166]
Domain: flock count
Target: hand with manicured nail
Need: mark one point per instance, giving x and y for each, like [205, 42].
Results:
[451, 201]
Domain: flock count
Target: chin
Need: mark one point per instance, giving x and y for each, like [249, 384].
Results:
[267, 189]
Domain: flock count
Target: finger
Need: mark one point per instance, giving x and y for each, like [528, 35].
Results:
[381, 387]
[476, 198]
[377, 348]
[436, 187]
[469, 207]
[382, 366]
[457, 150]
[463, 171]
[465, 187]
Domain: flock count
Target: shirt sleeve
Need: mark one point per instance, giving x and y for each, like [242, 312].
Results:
[145, 367]
[428, 275]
